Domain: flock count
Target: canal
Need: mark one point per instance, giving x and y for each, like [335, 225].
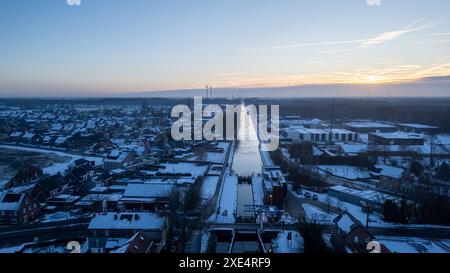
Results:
[247, 158]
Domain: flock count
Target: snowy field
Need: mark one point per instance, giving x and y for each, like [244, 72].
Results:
[375, 219]
[348, 172]
[182, 167]
[281, 244]
[213, 156]
[63, 160]
[412, 245]
[209, 187]
[315, 214]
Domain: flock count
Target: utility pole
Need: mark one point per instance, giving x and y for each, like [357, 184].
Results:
[369, 210]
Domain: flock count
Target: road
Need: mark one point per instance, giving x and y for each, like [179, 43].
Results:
[44, 231]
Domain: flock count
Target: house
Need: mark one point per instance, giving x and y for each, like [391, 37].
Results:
[148, 197]
[118, 160]
[349, 235]
[139, 244]
[80, 177]
[16, 136]
[96, 202]
[49, 187]
[26, 174]
[17, 209]
[390, 177]
[106, 228]
[103, 146]
[63, 201]
[61, 141]
[29, 137]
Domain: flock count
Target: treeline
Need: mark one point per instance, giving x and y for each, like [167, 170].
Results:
[428, 209]
[299, 177]
[303, 153]
[432, 111]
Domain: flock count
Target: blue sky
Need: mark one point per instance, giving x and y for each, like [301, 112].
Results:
[122, 46]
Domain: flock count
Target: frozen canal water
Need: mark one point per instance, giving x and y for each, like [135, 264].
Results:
[246, 162]
[247, 159]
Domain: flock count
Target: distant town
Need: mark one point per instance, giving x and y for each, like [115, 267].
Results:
[105, 176]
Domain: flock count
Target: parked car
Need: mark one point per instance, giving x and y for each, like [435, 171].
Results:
[307, 195]
[315, 197]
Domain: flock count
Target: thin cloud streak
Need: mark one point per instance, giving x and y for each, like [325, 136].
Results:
[392, 35]
[365, 43]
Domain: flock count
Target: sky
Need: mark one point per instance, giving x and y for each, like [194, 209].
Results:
[110, 47]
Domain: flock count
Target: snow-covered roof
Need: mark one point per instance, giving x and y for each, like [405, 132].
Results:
[390, 171]
[10, 201]
[345, 222]
[28, 135]
[61, 140]
[151, 190]
[368, 124]
[127, 221]
[354, 148]
[418, 126]
[16, 134]
[399, 135]
[367, 195]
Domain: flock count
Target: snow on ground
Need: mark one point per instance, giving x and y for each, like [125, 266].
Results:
[3, 183]
[182, 167]
[258, 191]
[316, 214]
[57, 216]
[265, 156]
[228, 199]
[59, 167]
[63, 167]
[209, 157]
[375, 219]
[11, 250]
[443, 139]
[348, 172]
[411, 245]
[213, 156]
[209, 187]
[282, 244]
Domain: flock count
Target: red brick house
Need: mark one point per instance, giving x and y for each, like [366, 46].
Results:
[17, 209]
[26, 174]
[350, 236]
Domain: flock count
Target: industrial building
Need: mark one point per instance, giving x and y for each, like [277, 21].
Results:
[397, 138]
[369, 127]
[360, 198]
[321, 135]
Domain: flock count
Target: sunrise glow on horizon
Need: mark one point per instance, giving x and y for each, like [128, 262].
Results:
[99, 48]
